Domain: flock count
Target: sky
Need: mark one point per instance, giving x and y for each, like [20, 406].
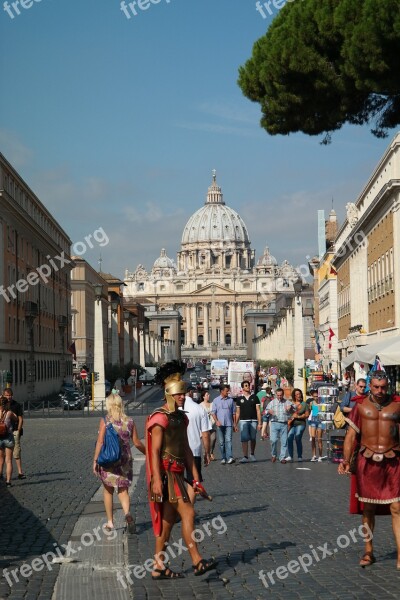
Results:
[117, 122]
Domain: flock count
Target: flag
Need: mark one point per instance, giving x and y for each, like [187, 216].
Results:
[333, 271]
[377, 366]
[317, 341]
[72, 349]
[331, 334]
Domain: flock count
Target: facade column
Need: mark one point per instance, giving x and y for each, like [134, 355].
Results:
[239, 323]
[142, 350]
[114, 338]
[98, 355]
[298, 342]
[205, 324]
[233, 324]
[222, 324]
[213, 322]
[135, 344]
[127, 349]
[194, 323]
[188, 326]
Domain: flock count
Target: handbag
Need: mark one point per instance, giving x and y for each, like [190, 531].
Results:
[3, 426]
[338, 419]
[110, 453]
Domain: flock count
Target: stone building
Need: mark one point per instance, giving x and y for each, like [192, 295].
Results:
[215, 284]
[35, 291]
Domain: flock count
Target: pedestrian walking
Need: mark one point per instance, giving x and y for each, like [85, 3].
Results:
[198, 432]
[297, 424]
[223, 413]
[265, 396]
[17, 409]
[348, 402]
[374, 433]
[168, 453]
[279, 410]
[207, 405]
[119, 476]
[248, 416]
[8, 421]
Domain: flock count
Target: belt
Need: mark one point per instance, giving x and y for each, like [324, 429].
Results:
[281, 422]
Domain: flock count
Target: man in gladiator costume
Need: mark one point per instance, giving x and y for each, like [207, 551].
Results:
[374, 432]
[167, 455]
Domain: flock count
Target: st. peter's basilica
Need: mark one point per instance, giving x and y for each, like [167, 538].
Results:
[216, 297]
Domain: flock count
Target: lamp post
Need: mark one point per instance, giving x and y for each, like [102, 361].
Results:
[298, 336]
[31, 312]
[98, 393]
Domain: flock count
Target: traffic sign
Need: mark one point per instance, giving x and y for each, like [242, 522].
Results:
[83, 374]
[133, 372]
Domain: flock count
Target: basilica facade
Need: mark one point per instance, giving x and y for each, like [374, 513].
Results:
[220, 295]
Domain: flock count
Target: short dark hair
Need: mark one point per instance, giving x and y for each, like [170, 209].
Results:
[243, 382]
[224, 386]
[279, 390]
[361, 380]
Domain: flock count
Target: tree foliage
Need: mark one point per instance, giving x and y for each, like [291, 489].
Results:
[285, 367]
[323, 63]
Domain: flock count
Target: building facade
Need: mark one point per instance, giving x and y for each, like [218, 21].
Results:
[367, 262]
[35, 291]
[215, 282]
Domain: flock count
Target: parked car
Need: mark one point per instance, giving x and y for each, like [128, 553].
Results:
[193, 378]
[67, 387]
[73, 401]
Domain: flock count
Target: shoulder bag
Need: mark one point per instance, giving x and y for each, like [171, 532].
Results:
[338, 419]
[110, 453]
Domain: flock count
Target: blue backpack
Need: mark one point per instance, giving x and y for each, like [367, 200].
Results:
[110, 452]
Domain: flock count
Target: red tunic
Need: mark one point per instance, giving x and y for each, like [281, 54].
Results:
[374, 482]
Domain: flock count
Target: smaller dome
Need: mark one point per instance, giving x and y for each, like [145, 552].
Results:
[163, 262]
[267, 260]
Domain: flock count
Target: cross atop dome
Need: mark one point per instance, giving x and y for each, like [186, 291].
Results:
[214, 195]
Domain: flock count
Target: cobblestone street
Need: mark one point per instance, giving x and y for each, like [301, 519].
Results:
[263, 516]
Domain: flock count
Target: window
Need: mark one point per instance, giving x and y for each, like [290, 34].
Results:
[179, 287]
[162, 288]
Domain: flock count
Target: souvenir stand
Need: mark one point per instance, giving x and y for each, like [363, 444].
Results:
[327, 403]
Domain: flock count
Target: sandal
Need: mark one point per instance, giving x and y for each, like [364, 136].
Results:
[166, 574]
[203, 566]
[367, 559]
[130, 523]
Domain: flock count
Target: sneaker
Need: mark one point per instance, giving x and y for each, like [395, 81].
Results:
[244, 459]
[273, 459]
[320, 459]
[289, 459]
[314, 459]
[223, 462]
[252, 458]
[299, 460]
[8, 483]
[21, 476]
[231, 461]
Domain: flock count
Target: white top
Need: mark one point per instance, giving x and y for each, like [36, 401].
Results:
[198, 423]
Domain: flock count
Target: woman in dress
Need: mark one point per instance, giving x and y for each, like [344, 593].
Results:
[7, 421]
[207, 405]
[117, 477]
[297, 424]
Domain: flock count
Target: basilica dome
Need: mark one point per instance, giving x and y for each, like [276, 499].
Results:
[163, 262]
[215, 222]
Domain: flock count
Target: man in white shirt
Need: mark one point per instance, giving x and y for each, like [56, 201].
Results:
[198, 432]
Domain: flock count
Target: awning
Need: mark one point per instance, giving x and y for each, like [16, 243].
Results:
[388, 350]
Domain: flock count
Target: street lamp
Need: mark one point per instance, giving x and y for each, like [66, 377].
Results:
[98, 290]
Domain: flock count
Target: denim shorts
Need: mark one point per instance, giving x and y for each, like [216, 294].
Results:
[248, 431]
[317, 424]
[7, 442]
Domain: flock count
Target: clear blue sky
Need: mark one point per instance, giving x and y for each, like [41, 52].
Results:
[117, 123]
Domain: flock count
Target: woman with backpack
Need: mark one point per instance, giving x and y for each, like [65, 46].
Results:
[117, 476]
